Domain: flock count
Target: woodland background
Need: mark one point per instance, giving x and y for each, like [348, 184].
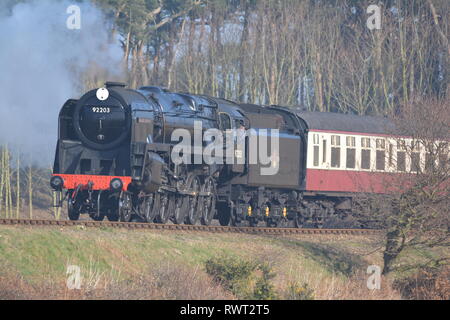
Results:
[308, 54]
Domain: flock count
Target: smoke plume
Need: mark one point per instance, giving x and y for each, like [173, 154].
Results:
[41, 61]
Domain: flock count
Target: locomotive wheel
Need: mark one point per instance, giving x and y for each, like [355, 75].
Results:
[181, 204]
[113, 213]
[193, 201]
[253, 222]
[164, 209]
[271, 223]
[149, 207]
[125, 207]
[299, 220]
[318, 224]
[101, 217]
[282, 223]
[224, 214]
[73, 209]
[208, 203]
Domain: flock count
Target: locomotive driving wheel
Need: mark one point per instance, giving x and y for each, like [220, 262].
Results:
[165, 208]
[208, 202]
[180, 206]
[224, 213]
[180, 203]
[98, 217]
[299, 220]
[149, 207]
[125, 207]
[193, 213]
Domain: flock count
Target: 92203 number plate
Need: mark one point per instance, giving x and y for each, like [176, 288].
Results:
[101, 109]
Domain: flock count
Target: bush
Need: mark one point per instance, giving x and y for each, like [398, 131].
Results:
[264, 289]
[234, 274]
[426, 284]
[296, 291]
[245, 279]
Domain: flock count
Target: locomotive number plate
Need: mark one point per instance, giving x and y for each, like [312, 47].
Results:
[101, 110]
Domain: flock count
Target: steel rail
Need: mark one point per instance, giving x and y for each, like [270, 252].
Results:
[183, 227]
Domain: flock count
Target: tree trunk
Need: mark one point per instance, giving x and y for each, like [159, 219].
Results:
[243, 49]
[394, 245]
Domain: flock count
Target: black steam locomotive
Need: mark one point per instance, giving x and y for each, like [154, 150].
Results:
[113, 159]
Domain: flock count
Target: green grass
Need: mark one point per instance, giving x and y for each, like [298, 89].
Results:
[33, 252]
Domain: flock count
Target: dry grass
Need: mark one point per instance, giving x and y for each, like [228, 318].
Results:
[167, 281]
[352, 288]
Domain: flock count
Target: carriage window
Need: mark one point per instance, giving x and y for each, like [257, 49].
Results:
[335, 140]
[443, 160]
[401, 145]
[443, 155]
[351, 158]
[401, 155]
[391, 155]
[351, 142]
[316, 150]
[365, 153]
[351, 152]
[429, 162]
[324, 151]
[380, 161]
[381, 154]
[381, 144]
[401, 161]
[415, 145]
[316, 139]
[415, 161]
[415, 156]
[335, 151]
[316, 156]
[365, 142]
[365, 159]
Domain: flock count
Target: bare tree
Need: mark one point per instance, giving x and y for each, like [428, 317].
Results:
[415, 210]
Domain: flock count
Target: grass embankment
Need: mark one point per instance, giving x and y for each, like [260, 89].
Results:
[123, 264]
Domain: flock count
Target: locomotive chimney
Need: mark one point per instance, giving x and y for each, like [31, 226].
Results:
[111, 84]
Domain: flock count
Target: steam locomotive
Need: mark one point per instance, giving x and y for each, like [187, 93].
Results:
[114, 159]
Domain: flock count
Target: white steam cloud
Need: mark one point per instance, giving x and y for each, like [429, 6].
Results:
[40, 63]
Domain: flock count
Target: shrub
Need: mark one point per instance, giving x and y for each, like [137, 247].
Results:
[426, 284]
[296, 291]
[234, 274]
[245, 279]
[264, 289]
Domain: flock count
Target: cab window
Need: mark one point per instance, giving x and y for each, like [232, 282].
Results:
[225, 121]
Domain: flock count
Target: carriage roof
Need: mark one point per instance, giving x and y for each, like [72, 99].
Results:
[330, 121]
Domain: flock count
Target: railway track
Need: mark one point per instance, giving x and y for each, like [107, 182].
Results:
[188, 228]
